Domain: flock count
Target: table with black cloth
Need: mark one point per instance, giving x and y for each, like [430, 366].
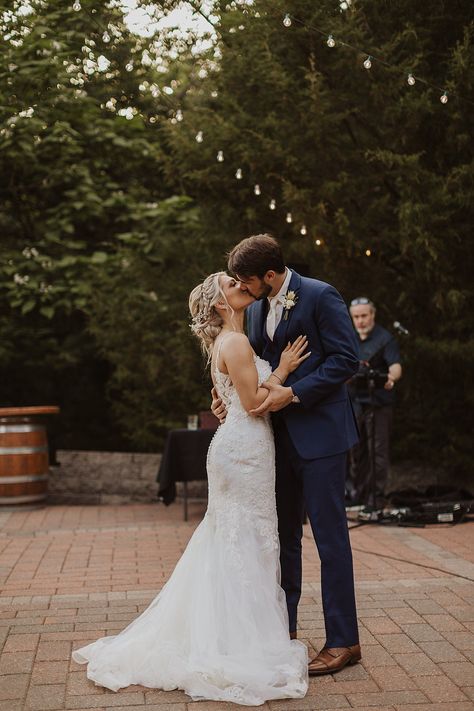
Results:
[184, 459]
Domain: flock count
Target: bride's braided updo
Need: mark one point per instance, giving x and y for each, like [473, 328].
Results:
[206, 320]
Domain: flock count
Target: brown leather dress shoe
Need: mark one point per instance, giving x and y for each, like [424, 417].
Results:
[330, 660]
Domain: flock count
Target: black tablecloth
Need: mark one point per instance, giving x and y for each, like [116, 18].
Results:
[184, 459]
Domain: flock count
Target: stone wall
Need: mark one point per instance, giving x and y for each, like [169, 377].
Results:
[103, 477]
[123, 477]
[109, 478]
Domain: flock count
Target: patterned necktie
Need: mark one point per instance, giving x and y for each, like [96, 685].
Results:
[272, 317]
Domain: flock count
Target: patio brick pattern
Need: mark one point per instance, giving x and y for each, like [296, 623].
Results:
[70, 574]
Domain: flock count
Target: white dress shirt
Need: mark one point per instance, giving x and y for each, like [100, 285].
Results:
[275, 312]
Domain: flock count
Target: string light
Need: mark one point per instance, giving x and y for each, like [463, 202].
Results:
[331, 42]
[368, 252]
[287, 22]
[370, 58]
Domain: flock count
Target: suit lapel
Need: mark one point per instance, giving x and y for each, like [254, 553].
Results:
[280, 333]
[263, 321]
[258, 316]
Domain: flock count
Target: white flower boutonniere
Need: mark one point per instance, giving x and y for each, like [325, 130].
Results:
[290, 300]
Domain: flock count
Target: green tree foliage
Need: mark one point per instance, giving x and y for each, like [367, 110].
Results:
[79, 163]
[358, 157]
[82, 101]
[157, 374]
[365, 162]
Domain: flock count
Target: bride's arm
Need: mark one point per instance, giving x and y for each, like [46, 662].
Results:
[239, 360]
[238, 357]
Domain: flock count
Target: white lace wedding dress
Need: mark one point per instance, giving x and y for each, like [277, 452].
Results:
[219, 628]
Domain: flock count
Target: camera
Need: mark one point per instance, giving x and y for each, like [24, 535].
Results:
[368, 377]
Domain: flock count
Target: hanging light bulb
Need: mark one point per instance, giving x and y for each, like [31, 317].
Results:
[318, 243]
[272, 204]
[368, 252]
[220, 156]
[331, 42]
[444, 98]
[238, 173]
[368, 62]
[77, 6]
[411, 80]
[303, 230]
[106, 36]
[199, 137]
[256, 189]
[287, 20]
[289, 217]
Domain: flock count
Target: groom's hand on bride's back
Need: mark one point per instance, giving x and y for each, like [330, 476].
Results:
[218, 407]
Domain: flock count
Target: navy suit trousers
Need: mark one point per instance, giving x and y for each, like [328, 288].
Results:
[317, 486]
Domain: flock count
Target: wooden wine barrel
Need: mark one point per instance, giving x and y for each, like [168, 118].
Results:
[24, 461]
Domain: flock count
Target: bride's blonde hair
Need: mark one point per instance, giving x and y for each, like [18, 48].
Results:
[206, 321]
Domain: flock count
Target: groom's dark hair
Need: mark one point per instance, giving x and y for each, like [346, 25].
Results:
[255, 255]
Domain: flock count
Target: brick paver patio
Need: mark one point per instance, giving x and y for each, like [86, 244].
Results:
[71, 574]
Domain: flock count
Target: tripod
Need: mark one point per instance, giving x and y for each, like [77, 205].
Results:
[370, 512]
[368, 380]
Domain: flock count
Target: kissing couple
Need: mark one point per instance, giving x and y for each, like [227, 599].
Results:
[224, 627]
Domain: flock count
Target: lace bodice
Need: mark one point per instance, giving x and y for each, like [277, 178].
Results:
[226, 389]
[241, 468]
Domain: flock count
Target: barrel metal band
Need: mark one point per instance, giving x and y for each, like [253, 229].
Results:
[21, 499]
[6, 429]
[23, 479]
[23, 450]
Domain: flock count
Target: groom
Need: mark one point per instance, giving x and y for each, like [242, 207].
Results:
[314, 428]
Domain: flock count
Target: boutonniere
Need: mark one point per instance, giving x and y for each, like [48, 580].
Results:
[289, 300]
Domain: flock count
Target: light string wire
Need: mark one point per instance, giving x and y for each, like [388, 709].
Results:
[373, 57]
[332, 40]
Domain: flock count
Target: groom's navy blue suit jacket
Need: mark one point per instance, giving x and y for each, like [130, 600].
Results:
[323, 424]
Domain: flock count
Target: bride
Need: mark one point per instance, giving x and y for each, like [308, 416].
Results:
[219, 627]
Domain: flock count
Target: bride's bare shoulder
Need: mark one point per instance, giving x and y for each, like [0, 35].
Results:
[236, 344]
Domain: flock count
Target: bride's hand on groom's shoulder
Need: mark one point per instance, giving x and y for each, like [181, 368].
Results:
[217, 406]
[278, 397]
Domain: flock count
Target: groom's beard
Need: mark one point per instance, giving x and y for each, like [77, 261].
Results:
[266, 290]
